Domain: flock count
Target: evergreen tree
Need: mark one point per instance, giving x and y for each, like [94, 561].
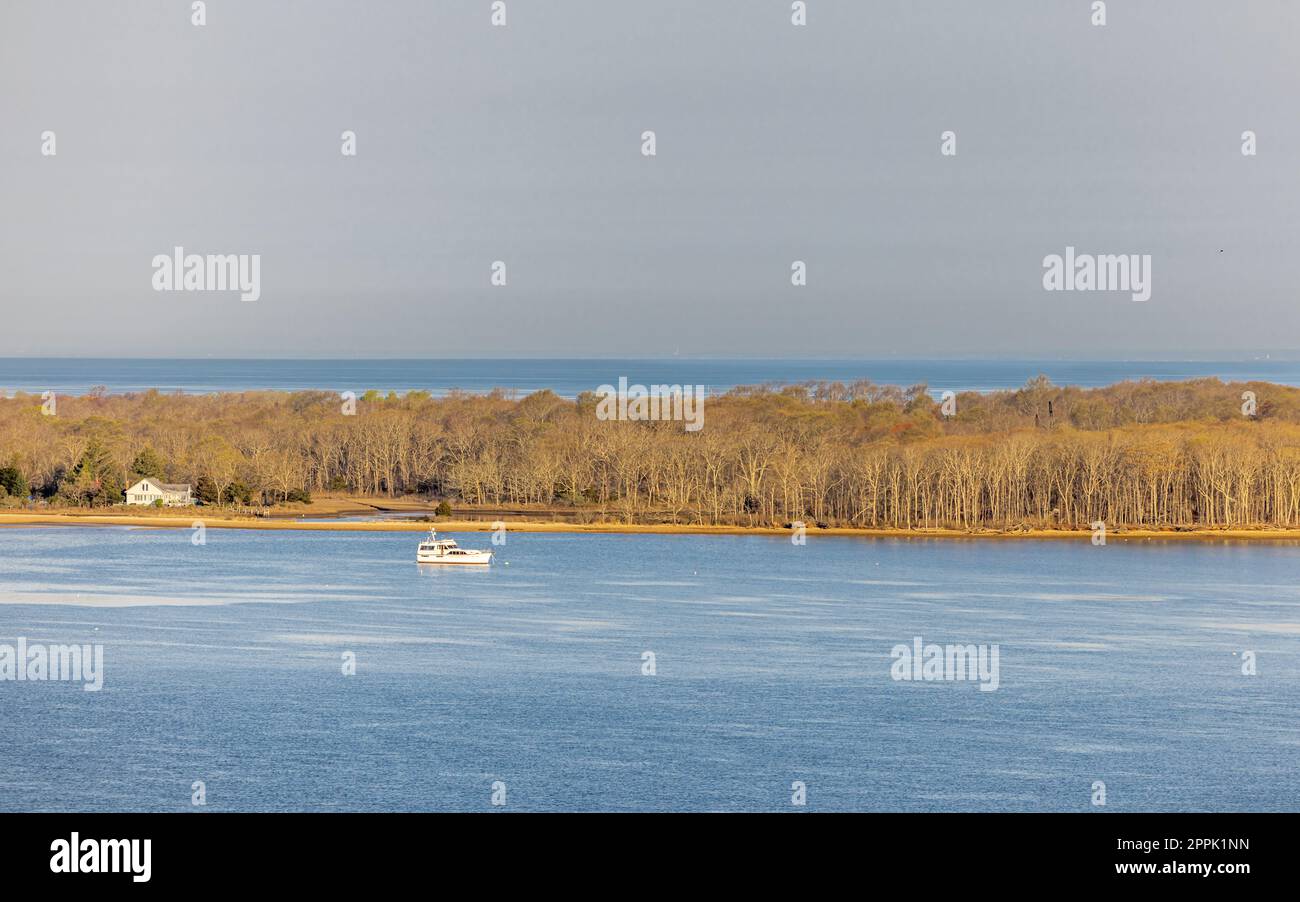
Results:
[95, 461]
[94, 480]
[148, 463]
[205, 491]
[14, 482]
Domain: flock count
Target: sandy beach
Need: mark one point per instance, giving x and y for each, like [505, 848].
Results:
[520, 524]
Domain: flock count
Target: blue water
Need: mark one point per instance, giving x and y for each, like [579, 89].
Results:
[223, 664]
[570, 377]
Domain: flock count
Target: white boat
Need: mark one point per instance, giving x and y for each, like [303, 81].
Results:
[434, 550]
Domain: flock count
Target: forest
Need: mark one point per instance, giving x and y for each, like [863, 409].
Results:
[1175, 455]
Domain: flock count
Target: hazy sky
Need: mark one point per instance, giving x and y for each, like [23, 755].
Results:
[775, 143]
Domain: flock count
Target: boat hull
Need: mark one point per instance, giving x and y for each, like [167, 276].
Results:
[478, 558]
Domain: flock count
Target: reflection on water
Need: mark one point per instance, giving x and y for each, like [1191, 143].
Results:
[223, 662]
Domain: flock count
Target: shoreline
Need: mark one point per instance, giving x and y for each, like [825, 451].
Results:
[12, 520]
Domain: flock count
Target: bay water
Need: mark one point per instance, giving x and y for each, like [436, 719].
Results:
[648, 672]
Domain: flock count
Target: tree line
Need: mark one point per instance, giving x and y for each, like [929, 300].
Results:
[1156, 454]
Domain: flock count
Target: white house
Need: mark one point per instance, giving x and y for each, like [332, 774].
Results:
[147, 491]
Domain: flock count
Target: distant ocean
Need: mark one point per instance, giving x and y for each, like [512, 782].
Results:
[569, 377]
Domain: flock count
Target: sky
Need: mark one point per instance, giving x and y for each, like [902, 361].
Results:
[774, 143]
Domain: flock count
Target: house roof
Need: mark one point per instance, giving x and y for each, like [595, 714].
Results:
[166, 486]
